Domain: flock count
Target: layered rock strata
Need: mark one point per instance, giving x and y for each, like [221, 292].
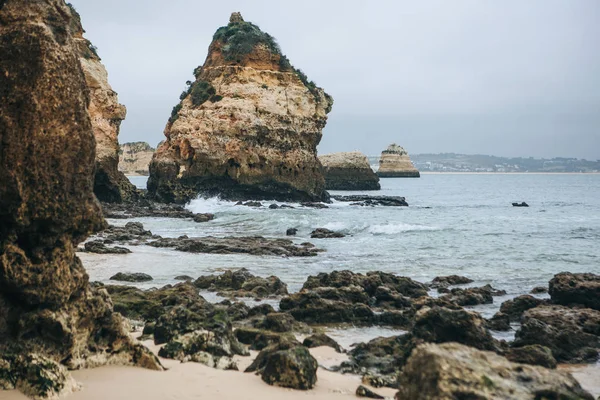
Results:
[134, 158]
[395, 163]
[47, 205]
[110, 185]
[246, 128]
[348, 171]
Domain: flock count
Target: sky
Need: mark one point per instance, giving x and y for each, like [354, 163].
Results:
[506, 78]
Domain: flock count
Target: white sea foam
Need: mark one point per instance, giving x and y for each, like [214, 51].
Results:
[392, 229]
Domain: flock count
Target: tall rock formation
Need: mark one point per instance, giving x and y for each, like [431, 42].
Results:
[110, 185]
[349, 171]
[246, 128]
[135, 157]
[395, 163]
[47, 149]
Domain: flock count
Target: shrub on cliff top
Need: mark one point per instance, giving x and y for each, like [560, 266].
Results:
[240, 38]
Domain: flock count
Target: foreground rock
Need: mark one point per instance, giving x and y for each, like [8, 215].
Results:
[131, 277]
[576, 289]
[360, 200]
[348, 171]
[286, 365]
[135, 157]
[454, 371]
[572, 334]
[395, 163]
[106, 114]
[241, 283]
[246, 128]
[254, 245]
[47, 204]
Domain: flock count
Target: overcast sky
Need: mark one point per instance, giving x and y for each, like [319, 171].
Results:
[501, 77]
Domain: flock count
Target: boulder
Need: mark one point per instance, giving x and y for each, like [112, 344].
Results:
[395, 163]
[321, 339]
[372, 201]
[450, 280]
[98, 247]
[515, 308]
[323, 233]
[241, 283]
[473, 296]
[572, 334]
[454, 371]
[576, 289]
[363, 391]
[277, 322]
[521, 204]
[348, 171]
[539, 290]
[286, 365]
[534, 354]
[259, 339]
[131, 277]
[47, 204]
[291, 232]
[247, 127]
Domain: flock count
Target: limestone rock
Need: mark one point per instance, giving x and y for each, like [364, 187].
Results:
[135, 157]
[348, 171]
[454, 371]
[246, 128]
[47, 205]
[395, 163]
[106, 114]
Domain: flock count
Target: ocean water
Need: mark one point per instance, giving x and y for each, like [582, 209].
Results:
[456, 224]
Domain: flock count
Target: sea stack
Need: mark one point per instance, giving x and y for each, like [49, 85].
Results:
[50, 316]
[106, 115]
[246, 128]
[395, 163]
[135, 157]
[348, 171]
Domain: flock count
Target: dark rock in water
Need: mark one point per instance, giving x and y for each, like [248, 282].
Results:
[186, 278]
[253, 245]
[273, 207]
[445, 281]
[291, 232]
[314, 205]
[473, 296]
[576, 289]
[133, 233]
[533, 355]
[321, 339]
[499, 322]
[286, 365]
[322, 233]
[262, 309]
[522, 204]
[387, 201]
[259, 339]
[455, 371]
[205, 347]
[516, 307]
[98, 247]
[148, 208]
[573, 334]
[348, 171]
[249, 204]
[131, 277]
[539, 290]
[48, 309]
[241, 283]
[362, 391]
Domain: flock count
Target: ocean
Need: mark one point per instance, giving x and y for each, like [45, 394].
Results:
[461, 224]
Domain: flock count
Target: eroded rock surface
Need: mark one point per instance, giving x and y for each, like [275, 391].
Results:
[395, 163]
[246, 128]
[453, 371]
[47, 205]
[576, 289]
[135, 157]
[241, 283]
[348, 171]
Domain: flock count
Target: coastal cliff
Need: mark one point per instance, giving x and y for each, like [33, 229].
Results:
[106, 114]
[50, 316]
[348, 171]
[246, 128]
[395, 163]
[135, 158]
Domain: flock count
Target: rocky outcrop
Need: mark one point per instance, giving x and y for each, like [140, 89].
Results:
[47, 205]
[395, 163]
[246, 128]
[135, 157]
[576, 289]
[348, 171]
[106, 115]
[453, 371]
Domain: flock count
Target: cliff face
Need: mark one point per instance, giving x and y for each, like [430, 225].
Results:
[134, 158]
[395, 163]
[247, 128]
[106, 115]
[46, 201]
[348, 171]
